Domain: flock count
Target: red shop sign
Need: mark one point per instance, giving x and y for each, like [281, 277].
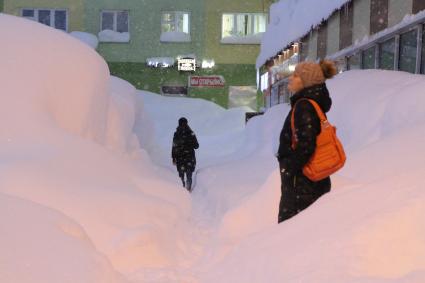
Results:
[206, 81]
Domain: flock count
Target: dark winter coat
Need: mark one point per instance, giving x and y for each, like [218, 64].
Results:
[183, 151]
[298, 192]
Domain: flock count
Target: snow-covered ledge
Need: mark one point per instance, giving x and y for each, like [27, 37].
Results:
[249, 39]
[113, 36]
[175, 36]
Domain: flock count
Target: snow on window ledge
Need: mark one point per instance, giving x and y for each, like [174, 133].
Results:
[249, 39]
[113, 36]
[175, 36]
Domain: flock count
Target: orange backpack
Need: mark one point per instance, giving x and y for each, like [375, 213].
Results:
[329, 155]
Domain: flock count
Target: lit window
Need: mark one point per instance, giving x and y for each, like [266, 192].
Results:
[175, 21]
[56, 18]
[175, 27]
[243, 25]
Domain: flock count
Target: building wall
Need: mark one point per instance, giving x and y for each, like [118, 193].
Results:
[322, 40]
[397, 10]
[1, 5]
[229, 53]
[333, 34]
[75, 9]
[418, 5]
[361, 19]
[145, 29]
[346, 20]
[378, 15]
[312, 46]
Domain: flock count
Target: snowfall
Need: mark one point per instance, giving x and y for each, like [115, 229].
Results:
[88, 194]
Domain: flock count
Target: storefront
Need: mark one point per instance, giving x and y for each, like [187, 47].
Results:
[274, 82]
[402, 49]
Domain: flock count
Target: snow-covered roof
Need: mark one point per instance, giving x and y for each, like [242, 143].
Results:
[292, 19]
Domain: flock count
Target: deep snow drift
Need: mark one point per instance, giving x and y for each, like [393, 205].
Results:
[65, 145]
[81, 202]
[370, 228]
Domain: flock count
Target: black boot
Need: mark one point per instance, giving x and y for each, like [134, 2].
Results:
[189, 185]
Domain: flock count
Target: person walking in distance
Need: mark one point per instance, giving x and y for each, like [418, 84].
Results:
[183, 152]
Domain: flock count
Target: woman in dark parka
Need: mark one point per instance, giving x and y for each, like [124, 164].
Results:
[183, 152]
[298, 192]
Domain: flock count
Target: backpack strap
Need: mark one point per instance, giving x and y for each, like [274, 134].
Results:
[319, 112]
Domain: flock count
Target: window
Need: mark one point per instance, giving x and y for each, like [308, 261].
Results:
[353, 62]
[175, 22]
[115, 21]
[243, 26]
[175, 27]
[114, 26]
[54, 18]
[408, 48]
[387, 54]
[368, 58]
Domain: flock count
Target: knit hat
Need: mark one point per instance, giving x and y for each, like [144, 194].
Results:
[313, 74]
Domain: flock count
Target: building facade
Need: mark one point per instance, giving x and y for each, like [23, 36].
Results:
[204, 49]
[362, 34]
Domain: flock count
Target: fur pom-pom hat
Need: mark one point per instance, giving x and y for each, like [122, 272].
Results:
[315, 73]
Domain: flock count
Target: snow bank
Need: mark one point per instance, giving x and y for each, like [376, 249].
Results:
[88, 38]
[175, 36]
[250, 39]
[290, 20]
[382, 125]
[113, 36]
[121, 115]
[42, 245]
[57, 111]
[66, 82]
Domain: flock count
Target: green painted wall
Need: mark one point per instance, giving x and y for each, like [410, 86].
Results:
[127, 60]
[1, 5]
[151, 79]
[230, 53]
[75, 9]
[145, 29]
